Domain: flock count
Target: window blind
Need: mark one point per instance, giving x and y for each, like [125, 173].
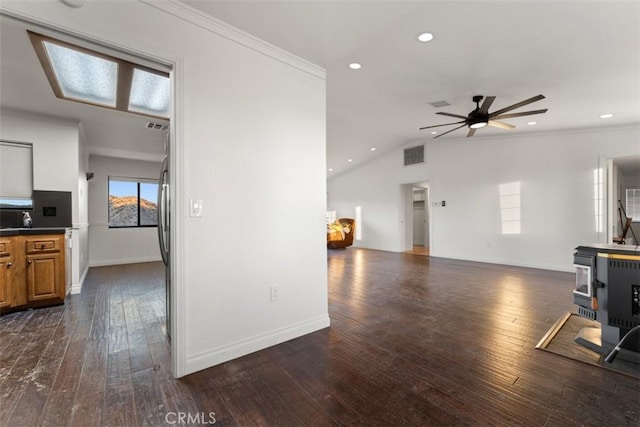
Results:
[16, 170]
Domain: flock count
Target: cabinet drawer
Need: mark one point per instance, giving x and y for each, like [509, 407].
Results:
[5, 248]
[43, 244]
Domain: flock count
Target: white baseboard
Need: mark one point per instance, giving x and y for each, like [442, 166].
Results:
[76, 288]
[103, 263]
[222, 354]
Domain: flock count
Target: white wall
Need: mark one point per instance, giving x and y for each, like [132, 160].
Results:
[58, 156]
[556, 175]
[111, 246]
[250, 142]
[80, 236]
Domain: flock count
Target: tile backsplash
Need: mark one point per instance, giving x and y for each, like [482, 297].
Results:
[50, 209]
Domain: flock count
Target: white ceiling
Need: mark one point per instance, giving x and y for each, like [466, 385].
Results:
[583, 56]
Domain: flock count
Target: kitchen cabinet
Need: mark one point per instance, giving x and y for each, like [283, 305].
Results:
[45, 269]
[32, 271]
[6, 272]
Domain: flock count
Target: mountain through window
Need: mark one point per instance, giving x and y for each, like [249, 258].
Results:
[133, 202]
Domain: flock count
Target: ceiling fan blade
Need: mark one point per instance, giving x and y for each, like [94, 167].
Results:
[472, 131]
[517, 105]
[501, 125]
[524, 113]
[449, 131]
[458, 116]
[484, 108]
[446, 124]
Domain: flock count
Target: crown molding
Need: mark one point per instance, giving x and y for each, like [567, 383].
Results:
[196, 17]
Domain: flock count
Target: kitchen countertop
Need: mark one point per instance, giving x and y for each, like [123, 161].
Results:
[612, 247]
[5, 232]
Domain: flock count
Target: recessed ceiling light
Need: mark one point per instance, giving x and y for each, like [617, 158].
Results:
[531, 123]
[330, 170]
[373, 148]
[355, 66]
[425, 37]
[433, 132]
[350, 160]
[606, 116]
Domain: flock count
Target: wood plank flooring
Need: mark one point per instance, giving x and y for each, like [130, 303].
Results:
[413, 341]
[419, 250]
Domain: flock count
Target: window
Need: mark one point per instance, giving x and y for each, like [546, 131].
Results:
[510, 207]
[598, 201]
[133, 202]
[633, 203]
[358, 215]
[331, 217]
[16, 176]
[79, 74]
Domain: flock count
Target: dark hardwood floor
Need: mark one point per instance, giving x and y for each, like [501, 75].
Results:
[413, 341]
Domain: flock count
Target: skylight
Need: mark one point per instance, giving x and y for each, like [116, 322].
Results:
[149, 93]
[79, 74]
[82, 76]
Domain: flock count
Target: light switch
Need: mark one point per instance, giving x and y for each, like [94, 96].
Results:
[195, 207]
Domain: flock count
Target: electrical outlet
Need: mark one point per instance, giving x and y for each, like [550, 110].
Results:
[275, 293]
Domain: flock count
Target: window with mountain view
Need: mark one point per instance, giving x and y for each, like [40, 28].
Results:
[132, 202]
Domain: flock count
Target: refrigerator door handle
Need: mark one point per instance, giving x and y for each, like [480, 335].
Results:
[162, 211]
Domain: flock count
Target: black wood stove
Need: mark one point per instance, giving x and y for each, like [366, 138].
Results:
[608, 291]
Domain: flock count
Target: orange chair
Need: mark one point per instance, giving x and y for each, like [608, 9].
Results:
[344, 237]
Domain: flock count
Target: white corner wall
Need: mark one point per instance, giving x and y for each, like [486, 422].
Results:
[250, 142]
[80, 234]
[112, 246]
[55, 151]
[557, 205]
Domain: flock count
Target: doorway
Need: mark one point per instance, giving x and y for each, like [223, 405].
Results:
[617, 182]
[417, 224]
[100, 135]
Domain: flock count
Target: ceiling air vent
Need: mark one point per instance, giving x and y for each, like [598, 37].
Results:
[414, 155]
[440, 104]
[158, 126]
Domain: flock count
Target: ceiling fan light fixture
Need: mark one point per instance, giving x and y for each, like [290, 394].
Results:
[478, 125]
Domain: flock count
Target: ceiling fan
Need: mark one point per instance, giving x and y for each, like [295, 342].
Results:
[480, 117]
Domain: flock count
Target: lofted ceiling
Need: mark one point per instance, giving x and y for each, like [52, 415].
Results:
[583, 56]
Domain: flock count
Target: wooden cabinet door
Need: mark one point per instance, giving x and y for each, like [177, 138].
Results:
[6, 273]
[6, 282]
[45, 277]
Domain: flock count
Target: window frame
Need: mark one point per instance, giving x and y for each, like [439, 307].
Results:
[124, 77]
[137, 181]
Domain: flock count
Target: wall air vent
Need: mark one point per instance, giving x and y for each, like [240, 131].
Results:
[157, 126]
[414, 155]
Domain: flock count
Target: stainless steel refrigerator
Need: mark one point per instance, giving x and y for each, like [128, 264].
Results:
[164, 222]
